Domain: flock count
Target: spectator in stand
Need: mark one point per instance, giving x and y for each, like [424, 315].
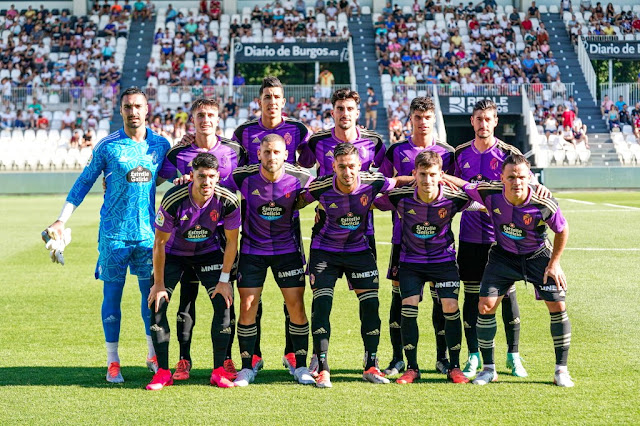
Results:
[42, 122]
[326, 81]
[620, 103]
[606, 105]
[533, 11]
[636, 127]
[568, 116]
[635, 112]
[625, 115]
[613, 118]
[371, 109]
[230, 107]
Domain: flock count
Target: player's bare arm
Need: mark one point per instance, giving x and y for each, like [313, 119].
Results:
[158, 291]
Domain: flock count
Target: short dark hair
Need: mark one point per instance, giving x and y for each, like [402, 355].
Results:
[343, 94]
[422, 104]
[203, 102]
[204, 160]
[132, 91]
[427, 159]
[272, 137]
[345, 148]
[483, 105]
[270, 81]
[515, 159]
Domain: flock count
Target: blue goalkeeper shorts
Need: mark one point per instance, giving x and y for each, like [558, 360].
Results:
[116, 255]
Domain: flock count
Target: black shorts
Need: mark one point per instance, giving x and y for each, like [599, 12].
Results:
[505, 268]
[444, 278]
[287, 269]
[297, 232]
[472, 259]
[207, 268]
[325, 267]
[394, 263]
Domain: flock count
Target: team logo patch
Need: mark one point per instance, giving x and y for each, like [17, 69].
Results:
[364, 200]
[139, 175]
[89, 160]
[425, 230]
[513, 232]
[493, 163]
[223, 161]
[472, 186]
[442, 213]
[288, 138]
[197, 234]
[349, 221]
[154, 157]
[364, 153]
[287, 195]
[271, 211]
[527, 219]
[159, 219]
[214, 215]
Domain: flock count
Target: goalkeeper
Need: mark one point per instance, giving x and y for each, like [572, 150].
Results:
[130, 159]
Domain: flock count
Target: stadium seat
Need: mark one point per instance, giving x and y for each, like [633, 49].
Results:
[627, 129]
[543, 8]
[104, 124]
[230, 123]
[174, 98]
[559, 156]
[571, 156]
[366, 10]
[17, 136]
[552, 9]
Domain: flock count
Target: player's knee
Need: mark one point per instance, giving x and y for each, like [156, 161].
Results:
[449, 305]
[487, 305]
[556, 306]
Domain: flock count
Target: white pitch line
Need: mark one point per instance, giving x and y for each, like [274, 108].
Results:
[598, 211]
[621, 207]
[577, 201]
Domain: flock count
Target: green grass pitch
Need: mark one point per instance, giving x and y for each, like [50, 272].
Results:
[52, 357]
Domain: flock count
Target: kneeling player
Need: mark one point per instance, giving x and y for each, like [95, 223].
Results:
[427, 255]
[186, 239]
[522, 252]
[269, 239]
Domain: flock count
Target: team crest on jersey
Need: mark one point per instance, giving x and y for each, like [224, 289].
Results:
[493, 163]
[364, 200]
[154, 157]
[223, 161]
[159, 219]
[472, 186]
[287, 195]
[527, 219]
[364, 153]
[288, 138]
[214, 215]
[442, 213]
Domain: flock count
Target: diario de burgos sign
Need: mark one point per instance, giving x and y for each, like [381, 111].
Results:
[620, 50]
[291, 52]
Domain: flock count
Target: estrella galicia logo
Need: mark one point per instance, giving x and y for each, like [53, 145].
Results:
[197, 234]
[457, 105]
[139, 175]
[510, 230]
[425, 230]
[271, 211]
[350, 221]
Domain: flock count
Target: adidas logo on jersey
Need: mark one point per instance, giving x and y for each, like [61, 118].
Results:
[497, 211]
[333, 206]
[321, 330]
[412, 211]
[466, 166]
[375, 332]
[406, 160]
[245, 355]
[329, 154]
[156, 328]
[184, 217]
[409, 347]
[256, 140]
[255, 192]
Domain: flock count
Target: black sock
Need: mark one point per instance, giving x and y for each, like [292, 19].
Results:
[410, 335]
[511, 320]
[186, 317]
[487, 328]
[258, 349]
[288, 343]
[561, 334]
[370, 325]
[247, 342]
[300, 341]
[395, 318]
[470, 314]
[232, 324]
[437, 319]
[160, 333]
[320, 325]
[453, 333]
[220, 330]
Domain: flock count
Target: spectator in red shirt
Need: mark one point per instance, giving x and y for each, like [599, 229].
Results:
[42, 122]
[567, 117]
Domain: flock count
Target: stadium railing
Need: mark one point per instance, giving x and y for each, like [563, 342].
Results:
[61, 98]
[587, 68]
[630, 92]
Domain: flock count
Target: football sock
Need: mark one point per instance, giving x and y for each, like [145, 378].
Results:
[111, 314]
[112, 353]
[288, 343]
[410, 335]
[247, 342]
[487, 328]
[160, 333]
[300, 341]
[511, 320]
[151, 352]
[220, 330]
[320, 325]
[561, 334]
[370, 325]
[395, 317]
[453, 334]
[438, 321]
[258, 350]
[232, 324]
[470, 314]
[186, 317]
[145, 286]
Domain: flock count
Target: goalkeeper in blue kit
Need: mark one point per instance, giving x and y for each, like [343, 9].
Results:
[129, 159]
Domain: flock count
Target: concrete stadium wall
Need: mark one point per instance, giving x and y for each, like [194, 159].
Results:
[26, 183]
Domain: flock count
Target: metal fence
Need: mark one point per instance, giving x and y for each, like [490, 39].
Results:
[630, 92]
[61, 98]
[538, 92]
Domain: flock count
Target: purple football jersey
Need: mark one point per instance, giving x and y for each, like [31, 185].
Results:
[475, 166]
[250, 133]
[268, 207]
[344, 217]
[229, 154]
[192, 228]
[519, 229]
[426, 235]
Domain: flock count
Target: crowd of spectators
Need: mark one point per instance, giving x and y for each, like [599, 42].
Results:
[618, 114]
[601, 21]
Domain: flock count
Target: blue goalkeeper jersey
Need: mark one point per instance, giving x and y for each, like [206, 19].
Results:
[130, 169]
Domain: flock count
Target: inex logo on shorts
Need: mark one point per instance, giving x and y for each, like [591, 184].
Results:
[349, 221]
[512, 231]
[425, 230]
[139, 175]
[271, 211]
[197, 234]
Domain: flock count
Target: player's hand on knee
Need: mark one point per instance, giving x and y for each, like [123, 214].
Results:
[187, 139]
[182, 180]
[156, 295]
[554, 271]
[543, 192]
[225, 290]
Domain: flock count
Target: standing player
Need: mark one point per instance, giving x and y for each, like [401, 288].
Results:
[295, 134]
[522, 252]
[399, 161]
[187, 239]
[204, 113]
[340, 246]
[270, 240]
[480, 160]
[130, 159]
[427, 254]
